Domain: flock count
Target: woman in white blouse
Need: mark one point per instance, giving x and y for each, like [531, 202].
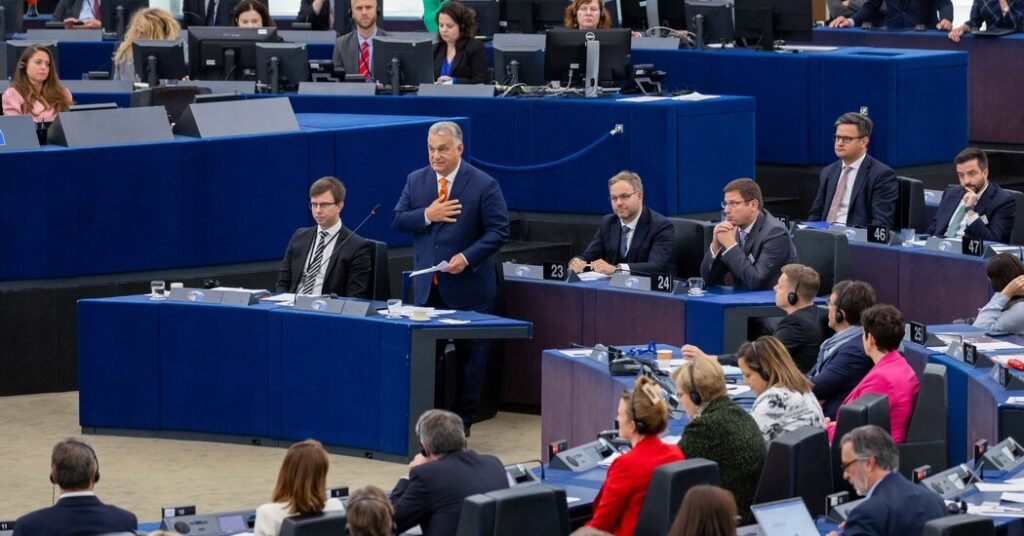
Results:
[784, 398]
[301, 488]
[1004, 312]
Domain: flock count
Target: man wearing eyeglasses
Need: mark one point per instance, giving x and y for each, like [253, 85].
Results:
[327, 258]
[855, 190]
[632, 238]
[750, 247]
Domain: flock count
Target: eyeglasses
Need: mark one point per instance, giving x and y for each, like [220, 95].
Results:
[847, 465]
[315, 206]
[846, 139]
[733, 204]
[623, 197]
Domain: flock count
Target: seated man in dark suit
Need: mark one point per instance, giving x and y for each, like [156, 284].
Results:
[894, 505]
[900, 15]
[75, 469]
[633, 238]
[800, 331]
[354, 50]
[442, 476]
[208, 13]
[841, 362]
[751, 245]
[977, 208]
[856, 190]
[327, 258]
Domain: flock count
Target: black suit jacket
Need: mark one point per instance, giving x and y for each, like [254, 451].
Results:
[800, 332]
[348, 271]
[469, 66]
[896, 506]
[996, 205]
[432, 496]
[193, 13]
[873, 200]
[906, 13]
[318, 21]
[757, 265]
[76, 516]
[649, 252]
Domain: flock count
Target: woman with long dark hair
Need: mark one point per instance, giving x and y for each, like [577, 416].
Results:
[458, 57]
[36, 89]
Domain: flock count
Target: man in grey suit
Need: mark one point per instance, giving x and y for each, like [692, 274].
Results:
[751, 245]
[354, 50]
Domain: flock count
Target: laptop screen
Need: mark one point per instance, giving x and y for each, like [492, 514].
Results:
[785, 518]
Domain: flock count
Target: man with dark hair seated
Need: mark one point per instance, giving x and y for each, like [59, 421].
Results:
[976, 208]
[75, 469]
[841, 362]
[442, 476]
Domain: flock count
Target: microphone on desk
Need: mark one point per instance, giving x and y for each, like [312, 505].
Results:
[373, 211]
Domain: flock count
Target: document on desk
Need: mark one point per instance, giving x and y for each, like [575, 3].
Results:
[1012, 497]
[283, 297]
[992, 509]
[577, 352]
[593, 276]
[644, 98]
[440, 266]
[694, 97]
[986, 487]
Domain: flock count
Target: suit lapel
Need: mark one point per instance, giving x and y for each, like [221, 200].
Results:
[643, 226]
[748, 246]
[305, 245]
[858, 184]
[343, 233]
[831, 185]
[457, 60]
[464, 175]
[985, 199]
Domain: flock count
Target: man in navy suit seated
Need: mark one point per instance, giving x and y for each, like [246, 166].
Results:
[634, 238]
[976, 208]
[442, 476]
[841, 362]
[856, 190]
[456, 213]
[900, 14]
[75, 469]
[894, 505]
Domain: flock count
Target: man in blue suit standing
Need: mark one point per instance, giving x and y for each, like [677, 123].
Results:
[75, 469]
[855, 190]
[976, 208]
[457, 214]
[894, 505]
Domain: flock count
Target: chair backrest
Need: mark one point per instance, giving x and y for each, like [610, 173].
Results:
[380, 282]
[793, 468]
[910, 205]
[928, 422]
[960, 525]
[325, 524]
[867, 409]
[533, 509]
[665, 493]
[827, 253]
[692, 239]
[1017, 234]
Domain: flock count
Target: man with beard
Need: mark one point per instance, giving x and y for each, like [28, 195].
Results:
[354, 50]
[976, 208]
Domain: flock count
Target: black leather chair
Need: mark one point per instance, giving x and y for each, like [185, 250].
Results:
[532, 509]
[326, 524]
[793, 468]
[827, 253]
[380, 283]
[665, 493]
[910, 205]
[926, 442]
[692, 240]
[960, 525]
[1017, 234]
[868, 409]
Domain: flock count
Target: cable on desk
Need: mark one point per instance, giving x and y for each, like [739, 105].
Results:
[618, 129]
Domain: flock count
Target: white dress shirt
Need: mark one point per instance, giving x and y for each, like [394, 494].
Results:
[844, 203]
[331, 240]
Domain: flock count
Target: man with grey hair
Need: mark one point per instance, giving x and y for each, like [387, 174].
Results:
[75, 469]
[442, 476]
[456, 214]
[633, 238]
[894, 505]
[855, 190]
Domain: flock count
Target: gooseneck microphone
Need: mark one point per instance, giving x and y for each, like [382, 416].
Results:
[306, 273]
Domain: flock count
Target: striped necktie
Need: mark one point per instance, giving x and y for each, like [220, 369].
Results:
[364, 59]
[314, 265]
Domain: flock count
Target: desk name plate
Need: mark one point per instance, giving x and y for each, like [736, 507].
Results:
[338, 306]
[663, 283]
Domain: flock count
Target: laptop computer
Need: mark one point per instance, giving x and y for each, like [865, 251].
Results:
[788, 517]
[993, 32]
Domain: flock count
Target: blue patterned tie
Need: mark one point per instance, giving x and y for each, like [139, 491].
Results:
[624, 242]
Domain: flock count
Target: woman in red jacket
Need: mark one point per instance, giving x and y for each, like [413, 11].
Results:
[643, 414]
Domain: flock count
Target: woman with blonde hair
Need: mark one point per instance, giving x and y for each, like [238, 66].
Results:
[36, 90]
[150, 24]
[301, 488]
[784, 398]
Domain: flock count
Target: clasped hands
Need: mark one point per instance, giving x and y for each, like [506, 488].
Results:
[723, 237]
[600, 266]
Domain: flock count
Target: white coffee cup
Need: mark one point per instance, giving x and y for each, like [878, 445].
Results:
[419, 314]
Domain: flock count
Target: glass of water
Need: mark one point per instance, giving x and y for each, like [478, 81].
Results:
[156, 290]
[696, 286]
[394, 309]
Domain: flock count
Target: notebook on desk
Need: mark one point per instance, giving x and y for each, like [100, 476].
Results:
[784, 518]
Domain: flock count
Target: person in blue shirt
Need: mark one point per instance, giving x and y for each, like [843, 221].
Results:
[458, 57]
[1007, 14]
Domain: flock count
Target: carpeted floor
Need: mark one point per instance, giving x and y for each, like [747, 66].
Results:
[143, 474]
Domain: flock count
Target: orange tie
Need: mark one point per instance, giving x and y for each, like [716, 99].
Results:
[442, 196]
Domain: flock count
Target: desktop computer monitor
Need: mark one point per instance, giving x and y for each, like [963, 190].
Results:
[115, 14]
[516, 16]
[636, 14]
[12, 50]
[527, 69]
[159, 60]
[548, 15]
[11, 15]
[488, 14]
[715, 25]
[282, 66]
[760, 22]
[415, 61]
[226, 52]
[565, 49]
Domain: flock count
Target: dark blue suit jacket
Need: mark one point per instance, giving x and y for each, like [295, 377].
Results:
[873, 200]
[840, 374]
[990, 13]
[649, 252]
[997, 206]
[74, 516]
[906, 13]
[477, 233]
[897, 506]
[758, 263]
[433, 494]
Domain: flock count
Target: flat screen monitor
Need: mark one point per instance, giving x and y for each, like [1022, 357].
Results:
[717, 26]
[760, 22]
[488, 13]
[637, 14]
[116, 20]
[566, 48]
[225, 52]
[415, 60]
[516, 16]
[548, 15]
[783, 518]
[12, 50]
[282, 66]
[159, 60]
[11, 15]
[527, 69]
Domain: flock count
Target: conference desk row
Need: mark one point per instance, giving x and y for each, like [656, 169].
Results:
[918, 99]
[265, 373]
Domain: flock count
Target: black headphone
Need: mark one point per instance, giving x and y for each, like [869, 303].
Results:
[840, 315]
[641, 426]
[792, 297]
[95, 459]
[692, 391]
[366, 497]
[760, 367]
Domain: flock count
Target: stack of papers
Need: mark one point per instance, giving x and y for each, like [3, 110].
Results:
[694, 97]
[592, 276]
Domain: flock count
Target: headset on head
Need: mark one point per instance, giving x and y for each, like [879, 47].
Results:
[793, 296]
[840, 315]
[95, 459]
[760, 363]
[641, 426]
[692, 392]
